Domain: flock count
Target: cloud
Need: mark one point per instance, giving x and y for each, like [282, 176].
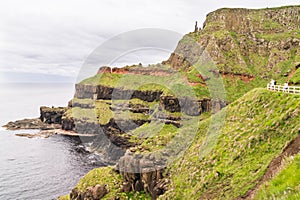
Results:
[56, 37]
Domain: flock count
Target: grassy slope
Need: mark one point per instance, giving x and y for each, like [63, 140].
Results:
[285, 185]
[256, 129]
[296, 77]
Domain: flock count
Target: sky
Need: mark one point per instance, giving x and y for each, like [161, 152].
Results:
[53, 38]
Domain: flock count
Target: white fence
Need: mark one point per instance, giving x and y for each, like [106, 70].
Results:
[289, 89]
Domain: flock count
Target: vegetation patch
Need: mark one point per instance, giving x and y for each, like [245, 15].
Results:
[152, 136]
[102, 176]
[225, 164]
[174, 84]
[296, 77]
[284, 185]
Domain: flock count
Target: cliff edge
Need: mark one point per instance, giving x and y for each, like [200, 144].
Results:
[179, 142]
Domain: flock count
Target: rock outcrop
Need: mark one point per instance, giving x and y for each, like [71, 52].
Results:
[248, 45]
[94, 193]
[142, 173]
[52, 115]
[95, 92]
[30, 124]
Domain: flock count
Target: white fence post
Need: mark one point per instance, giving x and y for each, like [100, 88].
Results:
[290, 89]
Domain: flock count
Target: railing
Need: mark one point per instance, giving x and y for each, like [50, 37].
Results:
[289, 89]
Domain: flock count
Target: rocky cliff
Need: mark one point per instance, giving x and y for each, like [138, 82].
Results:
[152, 132]
[249, 47]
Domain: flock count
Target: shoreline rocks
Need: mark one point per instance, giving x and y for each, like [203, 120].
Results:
[27, 124]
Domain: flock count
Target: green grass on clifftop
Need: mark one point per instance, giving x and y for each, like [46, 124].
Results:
[102, 176]
[257, 128]
[174, 84]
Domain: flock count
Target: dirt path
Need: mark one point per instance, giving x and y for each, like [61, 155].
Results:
[291, 75]
[291, 149]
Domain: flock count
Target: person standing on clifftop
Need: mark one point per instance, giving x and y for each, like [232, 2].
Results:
[272, 84]
[285, 86]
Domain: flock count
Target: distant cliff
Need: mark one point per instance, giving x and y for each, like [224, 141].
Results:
[248, 46]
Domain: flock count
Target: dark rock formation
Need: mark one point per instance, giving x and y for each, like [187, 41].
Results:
[52, 115]
[189, 106]
[107, 93]
[111, 139]
[142, 173]
[135, 108]
[67, 123]
[93, 193]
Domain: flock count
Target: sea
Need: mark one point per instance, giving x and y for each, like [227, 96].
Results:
[38, 168]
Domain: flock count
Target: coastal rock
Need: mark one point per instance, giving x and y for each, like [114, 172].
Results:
[67, 124]
[30, 124]
[91, 193]
[107, 93]
[141, 173]
[52, 115]
[99, 191]
[41, 134]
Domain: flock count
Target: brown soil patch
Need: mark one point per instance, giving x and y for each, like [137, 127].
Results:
[244, 77]
[291, 74]
[139, 71]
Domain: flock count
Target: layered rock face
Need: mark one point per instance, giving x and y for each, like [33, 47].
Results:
[248, 45]
[142, 174]
[52, 115]
[109, 93]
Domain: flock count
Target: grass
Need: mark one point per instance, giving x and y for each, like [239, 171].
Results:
[65, 197]
[86, 114]
[134, 196]
[106, 176]
[285, 185]
[271, 25]
[280, 36]
[102, 113]
[102, 176]
[256, 129]
[175, 84]
[236, 88]
[153, 136]
[83, 101]
[296, 77]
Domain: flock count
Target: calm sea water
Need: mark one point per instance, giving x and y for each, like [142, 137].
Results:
[37, 168]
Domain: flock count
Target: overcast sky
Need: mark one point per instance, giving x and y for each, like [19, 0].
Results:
[56, 36]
